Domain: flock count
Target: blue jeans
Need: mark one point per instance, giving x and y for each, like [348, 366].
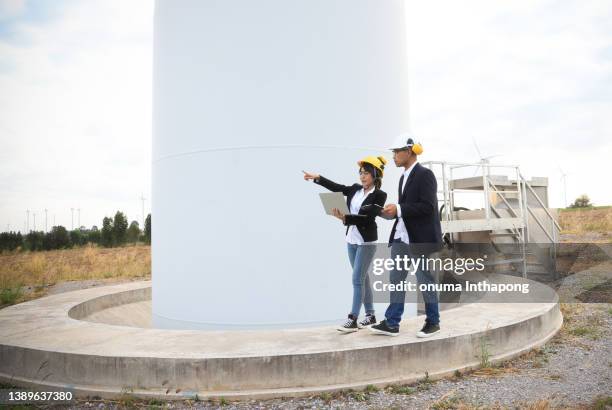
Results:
[395, 310]
[360, 257]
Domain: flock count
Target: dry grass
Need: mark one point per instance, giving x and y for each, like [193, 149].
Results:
[39, 269]
[582, 320]
[493, 371]
[539, 405]
[580, 221]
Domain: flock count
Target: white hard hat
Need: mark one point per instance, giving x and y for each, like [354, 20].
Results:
[403, 141]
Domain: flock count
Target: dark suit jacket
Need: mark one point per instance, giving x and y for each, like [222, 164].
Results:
[419, 203]
[365, 220]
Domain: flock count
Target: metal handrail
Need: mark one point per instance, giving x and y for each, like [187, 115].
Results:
[467, 164]
[540, 202]
[513, 230]
[552, 239]
[502, 197]
[513, 212]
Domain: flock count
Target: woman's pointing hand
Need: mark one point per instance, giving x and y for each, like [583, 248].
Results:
[308, 176]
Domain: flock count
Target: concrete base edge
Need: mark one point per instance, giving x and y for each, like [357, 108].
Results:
[85, 391]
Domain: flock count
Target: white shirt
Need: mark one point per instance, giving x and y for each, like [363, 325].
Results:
[400, 229]
[353, 236]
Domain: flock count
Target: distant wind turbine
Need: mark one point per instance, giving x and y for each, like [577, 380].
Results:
[483, 160]
[564, 182]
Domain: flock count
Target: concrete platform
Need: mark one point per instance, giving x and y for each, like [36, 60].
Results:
[60, 341]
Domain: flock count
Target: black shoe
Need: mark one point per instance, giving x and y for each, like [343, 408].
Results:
[428, 330]
[368, 321]
[383, 329]
[350, 325]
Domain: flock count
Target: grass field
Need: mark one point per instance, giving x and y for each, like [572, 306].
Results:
[37, 270]
[586, 220]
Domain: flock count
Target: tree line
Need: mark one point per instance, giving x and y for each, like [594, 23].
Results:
[115, 231]
[583, 201]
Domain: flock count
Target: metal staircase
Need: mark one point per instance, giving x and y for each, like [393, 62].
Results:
[514, 220]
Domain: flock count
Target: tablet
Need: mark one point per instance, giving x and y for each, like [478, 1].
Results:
[332, 200]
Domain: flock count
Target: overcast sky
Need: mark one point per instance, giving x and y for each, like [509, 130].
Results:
[528, 80]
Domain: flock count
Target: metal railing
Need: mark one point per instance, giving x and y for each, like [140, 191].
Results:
[523, 210]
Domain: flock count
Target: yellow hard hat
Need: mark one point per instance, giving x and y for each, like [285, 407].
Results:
[376, 162]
